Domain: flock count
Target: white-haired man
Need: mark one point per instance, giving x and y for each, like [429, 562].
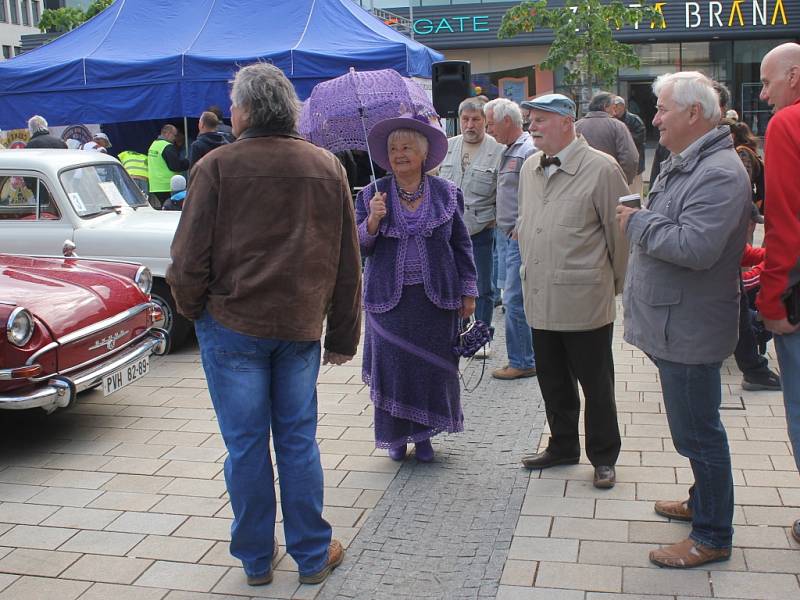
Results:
[780, 74]
[573, 265]
[682, 300]
[41, 136]
[504, 123]
[236, 264]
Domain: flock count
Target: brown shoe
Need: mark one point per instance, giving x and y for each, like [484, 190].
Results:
[688, 554]
[265, 579]
[335, 558]
[509, 372]
[678, 510]
[605, 477]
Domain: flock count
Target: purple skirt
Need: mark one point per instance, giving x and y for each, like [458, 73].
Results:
[412, 371]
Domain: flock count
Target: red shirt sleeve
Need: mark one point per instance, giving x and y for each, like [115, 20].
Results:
[782, 214]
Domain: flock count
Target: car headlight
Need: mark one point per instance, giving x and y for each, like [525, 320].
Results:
[144, 279]
[20, 326]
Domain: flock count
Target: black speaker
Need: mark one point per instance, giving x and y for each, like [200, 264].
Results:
[450, 85]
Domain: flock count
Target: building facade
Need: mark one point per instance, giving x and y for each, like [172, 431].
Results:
[17, 18]
[725, 39]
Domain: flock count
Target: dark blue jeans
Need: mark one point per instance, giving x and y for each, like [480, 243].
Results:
[260, 385]
[482, 249]
[692, 397]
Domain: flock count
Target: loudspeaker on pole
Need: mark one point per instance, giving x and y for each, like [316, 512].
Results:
[450, 84]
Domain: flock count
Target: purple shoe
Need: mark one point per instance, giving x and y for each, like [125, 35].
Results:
[424, 451]
[398, 453]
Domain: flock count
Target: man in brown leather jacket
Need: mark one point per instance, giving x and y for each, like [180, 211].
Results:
[265, 251]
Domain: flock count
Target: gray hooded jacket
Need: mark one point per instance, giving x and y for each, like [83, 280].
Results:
[681, 296]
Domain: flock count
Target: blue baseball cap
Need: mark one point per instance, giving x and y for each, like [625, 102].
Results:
[556, 103]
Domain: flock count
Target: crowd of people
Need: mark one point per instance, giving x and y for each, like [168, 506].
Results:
[532, 189]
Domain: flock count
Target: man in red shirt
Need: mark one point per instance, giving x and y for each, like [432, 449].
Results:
[780, 76]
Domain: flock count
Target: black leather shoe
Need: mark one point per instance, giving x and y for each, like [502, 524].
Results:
[545, 459]
[796, 531]
[605, 477]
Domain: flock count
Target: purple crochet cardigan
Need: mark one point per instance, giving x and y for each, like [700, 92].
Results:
[448, 269]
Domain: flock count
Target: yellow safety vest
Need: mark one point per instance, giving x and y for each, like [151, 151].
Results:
[158, 172]
[135, 163]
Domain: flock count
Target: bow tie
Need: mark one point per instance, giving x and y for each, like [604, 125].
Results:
[550, 160]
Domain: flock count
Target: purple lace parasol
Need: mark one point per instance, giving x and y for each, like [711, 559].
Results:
[340, 112]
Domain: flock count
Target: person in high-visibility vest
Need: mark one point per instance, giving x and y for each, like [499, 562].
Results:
[135, 163]
[163, 161]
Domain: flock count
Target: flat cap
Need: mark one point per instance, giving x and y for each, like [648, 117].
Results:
[556, 103]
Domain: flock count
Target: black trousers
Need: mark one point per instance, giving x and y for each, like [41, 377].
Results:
[563, 359]
[749, 361]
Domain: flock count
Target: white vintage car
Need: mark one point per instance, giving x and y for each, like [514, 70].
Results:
[49, 197]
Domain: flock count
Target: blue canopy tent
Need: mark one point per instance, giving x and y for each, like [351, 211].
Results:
[157, 59]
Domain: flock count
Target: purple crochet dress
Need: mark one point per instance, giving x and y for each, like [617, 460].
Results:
[409, 362]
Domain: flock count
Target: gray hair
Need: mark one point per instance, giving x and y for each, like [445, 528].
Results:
[471, 105]
[601, 101]
[502, 108]
[619, 100]
[421, 140]
[267, 96]
[37, 123]
[691, 87]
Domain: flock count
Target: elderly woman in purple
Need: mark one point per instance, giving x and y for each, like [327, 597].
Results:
[419, 280]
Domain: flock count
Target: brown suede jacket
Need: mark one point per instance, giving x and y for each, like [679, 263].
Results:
[267, 243]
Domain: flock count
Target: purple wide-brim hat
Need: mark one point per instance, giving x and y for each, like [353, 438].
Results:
[379, 136]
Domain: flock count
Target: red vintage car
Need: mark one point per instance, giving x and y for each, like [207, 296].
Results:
[73, 324]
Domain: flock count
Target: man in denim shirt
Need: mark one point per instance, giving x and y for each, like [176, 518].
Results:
[472, 163]
[504, 122]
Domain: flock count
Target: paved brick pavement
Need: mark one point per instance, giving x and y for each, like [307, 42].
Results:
[123, 498]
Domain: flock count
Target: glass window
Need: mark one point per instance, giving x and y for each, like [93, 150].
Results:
[26, 199]
[747, 55]
[3, 15]
[14, 11]
[17, 50]
[37, 13]
[710, 58]
[98, 189]
[7, 52]
[26, 12]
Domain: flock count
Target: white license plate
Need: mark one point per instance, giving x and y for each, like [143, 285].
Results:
[125, 375]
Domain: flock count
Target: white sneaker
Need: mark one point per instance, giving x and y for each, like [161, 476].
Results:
[484, 351]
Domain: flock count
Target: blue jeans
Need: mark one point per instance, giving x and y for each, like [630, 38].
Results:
[692, 397]
[499, 261]
[482, 244]
[788, 349]
[258, 385]
[519, 338]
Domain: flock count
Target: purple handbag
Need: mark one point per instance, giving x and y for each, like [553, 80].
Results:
[472, 336]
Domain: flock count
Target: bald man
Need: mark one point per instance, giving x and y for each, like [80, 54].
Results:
[780, 76]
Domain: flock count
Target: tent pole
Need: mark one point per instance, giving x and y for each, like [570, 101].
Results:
[186, 137]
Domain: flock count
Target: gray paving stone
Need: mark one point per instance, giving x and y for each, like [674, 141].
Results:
[665, 581]
[181, 576]
[759, 586]
[507, 592]
[43, 588]
[109, 591]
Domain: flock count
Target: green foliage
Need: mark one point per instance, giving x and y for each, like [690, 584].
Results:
[68, 18]
[583, 42]
[61, 19]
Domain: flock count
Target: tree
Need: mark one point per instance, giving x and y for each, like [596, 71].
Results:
[583, 37]
[69, 17]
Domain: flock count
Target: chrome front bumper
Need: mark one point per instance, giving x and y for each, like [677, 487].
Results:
[60, 391]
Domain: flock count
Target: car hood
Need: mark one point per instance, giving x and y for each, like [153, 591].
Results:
[64, 294]
[142, 232]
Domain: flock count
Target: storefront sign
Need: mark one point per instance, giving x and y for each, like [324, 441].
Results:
[454, 26]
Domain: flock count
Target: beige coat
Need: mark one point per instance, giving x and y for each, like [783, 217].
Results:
[573, 254]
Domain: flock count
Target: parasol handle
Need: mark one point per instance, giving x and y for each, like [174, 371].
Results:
[369, 153]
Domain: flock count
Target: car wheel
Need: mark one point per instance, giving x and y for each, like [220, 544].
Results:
[177, 325]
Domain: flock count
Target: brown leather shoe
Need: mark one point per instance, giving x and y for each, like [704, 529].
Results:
[677, 510]
[605, 477]
[688, 554]
[335, 558]
[509, 372]
[267, 578]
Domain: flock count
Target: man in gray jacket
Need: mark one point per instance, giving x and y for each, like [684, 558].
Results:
[605, 133]
[472, 162]
[682, 300]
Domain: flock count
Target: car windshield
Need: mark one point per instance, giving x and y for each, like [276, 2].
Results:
[96, 189]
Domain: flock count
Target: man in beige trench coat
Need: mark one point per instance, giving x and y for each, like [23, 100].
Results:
[573, 265]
